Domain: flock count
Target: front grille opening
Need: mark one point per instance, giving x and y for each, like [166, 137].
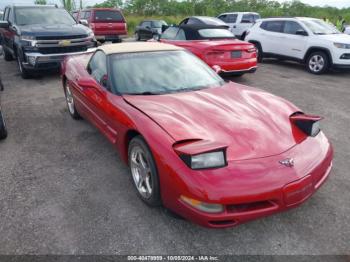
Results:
[61, 50]
[229, 222]
[247, 207]
[61, 37]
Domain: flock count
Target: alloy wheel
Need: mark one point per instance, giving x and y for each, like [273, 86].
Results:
[70, 100]
[141, 172]
[316, 63]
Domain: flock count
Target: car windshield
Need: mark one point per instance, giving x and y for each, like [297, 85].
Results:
[43, 15]
[319, 27]
[154, 73]
[215, 33]
[110, 16]
[158, 24]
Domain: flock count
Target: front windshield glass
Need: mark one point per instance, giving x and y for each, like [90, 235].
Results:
[152, 73]
[43, 15]
[215, 33]
[158, 24]
[319, 27]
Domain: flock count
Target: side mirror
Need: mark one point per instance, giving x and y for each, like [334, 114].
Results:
[104, 80]
[217, 69]
[301, 32]
[84, 22]
[86, 83]
[4, 24]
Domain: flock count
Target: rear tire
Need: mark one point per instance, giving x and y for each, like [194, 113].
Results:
[259, 52]
[317, 63]
[3, 130]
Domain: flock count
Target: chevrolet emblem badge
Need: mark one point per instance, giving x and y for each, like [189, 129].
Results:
[64, 43]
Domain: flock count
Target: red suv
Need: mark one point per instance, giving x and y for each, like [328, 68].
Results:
[108, 24]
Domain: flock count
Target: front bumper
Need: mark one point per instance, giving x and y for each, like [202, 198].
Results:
[110, 37]
[35, 60]
[251, 189]
[239, 72]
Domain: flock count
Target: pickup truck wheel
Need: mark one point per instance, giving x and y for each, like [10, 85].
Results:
[70, 102]
[317, 63]
[24, 73]
[3, 130]
[7, 55]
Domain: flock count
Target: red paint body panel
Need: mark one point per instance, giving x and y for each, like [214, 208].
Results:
[253, 125]
[206, 51]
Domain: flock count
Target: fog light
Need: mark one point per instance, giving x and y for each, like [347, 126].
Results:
[345, 56]
[31, 60]
[202, 206]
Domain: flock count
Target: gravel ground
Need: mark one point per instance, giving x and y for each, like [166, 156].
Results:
[64, 189]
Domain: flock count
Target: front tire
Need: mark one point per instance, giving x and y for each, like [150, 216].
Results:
[24, 72]
[137, 36]
[144, 172]
[317, 63]
[3, 130]
[70, 102]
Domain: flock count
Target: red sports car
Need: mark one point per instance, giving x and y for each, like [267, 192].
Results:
[216, 153]
[215, 45]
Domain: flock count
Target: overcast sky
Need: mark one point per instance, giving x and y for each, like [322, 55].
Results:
[336, 3]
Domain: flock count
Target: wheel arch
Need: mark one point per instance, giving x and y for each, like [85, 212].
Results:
[318, 49]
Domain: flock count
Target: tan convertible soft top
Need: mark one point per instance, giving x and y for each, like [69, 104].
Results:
[137, 47]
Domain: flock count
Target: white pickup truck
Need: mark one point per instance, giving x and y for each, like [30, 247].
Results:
[239, 22]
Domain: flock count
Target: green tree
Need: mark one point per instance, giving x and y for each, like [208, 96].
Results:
[40, 2]
[110, 4]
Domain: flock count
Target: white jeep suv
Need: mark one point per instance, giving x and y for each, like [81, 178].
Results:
[239, 22]
[307, 40]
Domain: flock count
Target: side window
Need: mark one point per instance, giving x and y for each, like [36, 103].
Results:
[273, 26]
[170, 33]
[181, 35]
[82, 15]
[10, 16]
[291, 27]
[193, 21]
[98, 67]
[247, 18]
[147, 23]
[232, 18]
[223, 18]
[184, 22]
[6, 14]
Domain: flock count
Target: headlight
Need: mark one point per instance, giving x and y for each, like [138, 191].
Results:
[342, 46]
[206, 160]
[27, 38]
[91, 34]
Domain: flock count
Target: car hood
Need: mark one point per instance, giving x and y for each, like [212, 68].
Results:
[337, 38]
[250, 122]
[54, 30]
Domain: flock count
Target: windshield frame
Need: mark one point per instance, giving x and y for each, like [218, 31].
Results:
[117, 91]
[41, 7]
